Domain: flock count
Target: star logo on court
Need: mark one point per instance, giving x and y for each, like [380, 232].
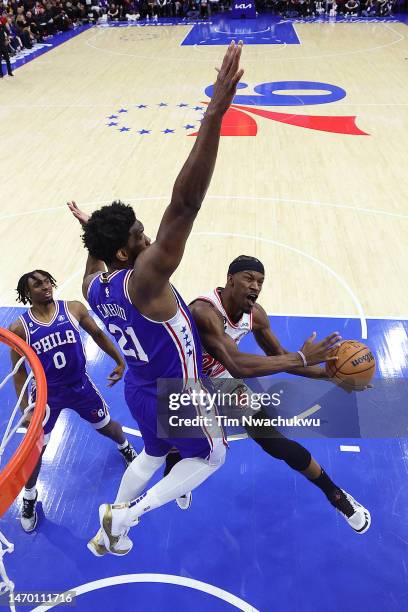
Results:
[154, 120]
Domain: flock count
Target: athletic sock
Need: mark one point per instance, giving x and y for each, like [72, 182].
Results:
[333, 493]
[123, 445]
[30, 493]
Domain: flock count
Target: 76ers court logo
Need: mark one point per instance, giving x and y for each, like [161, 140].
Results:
[183, 118]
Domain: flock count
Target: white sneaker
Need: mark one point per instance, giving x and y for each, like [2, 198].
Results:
[97, 545]
[29, 517]
[358, 517]
[115, 524]
[184, 502]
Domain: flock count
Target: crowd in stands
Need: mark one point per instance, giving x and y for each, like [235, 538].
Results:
[26, 22]
[314, 8]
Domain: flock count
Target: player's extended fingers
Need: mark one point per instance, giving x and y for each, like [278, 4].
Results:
[332, 339]
[226, 62]
[236, 79]
[234, 66]
[310, 339]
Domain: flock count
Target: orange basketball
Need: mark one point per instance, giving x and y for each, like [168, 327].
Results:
[355, 365]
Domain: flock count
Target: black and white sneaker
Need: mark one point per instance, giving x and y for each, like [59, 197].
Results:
[29, 517]
[355, 514]
[128, 453]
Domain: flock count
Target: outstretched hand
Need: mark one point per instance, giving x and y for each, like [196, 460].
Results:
[82, 217]
[228, 78]
[116, 375]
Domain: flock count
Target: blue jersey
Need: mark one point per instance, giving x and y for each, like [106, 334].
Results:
[152, 350]
[58, 345]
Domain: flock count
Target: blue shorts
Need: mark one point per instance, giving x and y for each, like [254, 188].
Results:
[82, 397]
[143, 407]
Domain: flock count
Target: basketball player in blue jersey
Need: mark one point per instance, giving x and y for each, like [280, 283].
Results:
[51, 328]
[223, 317]
[153, 325]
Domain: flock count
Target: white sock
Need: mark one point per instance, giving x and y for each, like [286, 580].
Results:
[137, 475]
[185, 476]
[30, 493]
[123, 445]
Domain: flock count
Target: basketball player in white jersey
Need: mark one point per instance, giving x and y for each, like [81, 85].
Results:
[223, 317]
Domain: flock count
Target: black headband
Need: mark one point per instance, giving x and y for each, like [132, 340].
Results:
[246, 263]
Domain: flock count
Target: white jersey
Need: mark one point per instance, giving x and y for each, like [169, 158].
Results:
[236, 331]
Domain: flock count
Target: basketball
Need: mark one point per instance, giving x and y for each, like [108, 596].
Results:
[355, 365]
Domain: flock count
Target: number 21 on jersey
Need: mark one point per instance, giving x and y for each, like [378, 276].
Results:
[128, 342]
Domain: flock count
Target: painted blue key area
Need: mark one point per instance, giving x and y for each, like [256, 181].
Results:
[256, 529]
[260, 31]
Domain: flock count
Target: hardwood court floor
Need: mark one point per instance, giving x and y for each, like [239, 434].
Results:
[325, 211]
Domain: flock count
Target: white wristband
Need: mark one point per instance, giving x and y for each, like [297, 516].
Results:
[303, 358]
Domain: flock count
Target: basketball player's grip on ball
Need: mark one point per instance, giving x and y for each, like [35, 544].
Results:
[354, 367]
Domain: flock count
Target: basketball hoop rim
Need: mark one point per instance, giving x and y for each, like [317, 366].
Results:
[13, 477]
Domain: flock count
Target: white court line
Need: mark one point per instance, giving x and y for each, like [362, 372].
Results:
[315, 260]
[202, 48]
[282, 201]
[309, 411]
[320, 263]
[349, 449]
[61, 287]
[190, 583]
[280, 58]
[133, 432]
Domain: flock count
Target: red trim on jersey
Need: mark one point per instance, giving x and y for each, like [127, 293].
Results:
[236, 325]
[181, 352]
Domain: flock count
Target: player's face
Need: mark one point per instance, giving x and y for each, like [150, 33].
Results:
[40, 289]
[138, 241]
[246, 287]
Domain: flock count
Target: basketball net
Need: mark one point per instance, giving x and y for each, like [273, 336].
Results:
[7, 585]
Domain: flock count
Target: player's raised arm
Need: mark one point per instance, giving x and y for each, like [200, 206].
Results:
[93, 266]
[155, 266]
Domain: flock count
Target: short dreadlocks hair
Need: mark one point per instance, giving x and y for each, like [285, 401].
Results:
[107, 230]
[22, 285]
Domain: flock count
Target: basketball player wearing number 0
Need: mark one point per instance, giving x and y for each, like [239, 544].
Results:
[51, 328]
[151, 322]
